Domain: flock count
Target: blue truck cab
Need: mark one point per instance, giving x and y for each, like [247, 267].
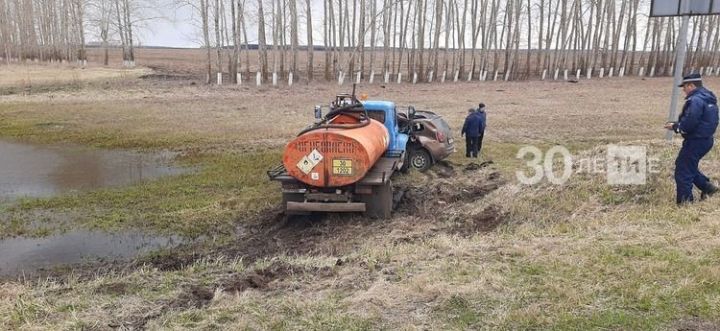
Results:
[386, 112]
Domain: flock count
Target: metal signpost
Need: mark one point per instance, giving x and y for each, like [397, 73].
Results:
[685, 9]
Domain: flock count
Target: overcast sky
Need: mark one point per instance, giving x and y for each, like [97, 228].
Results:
[179, 27]
[177, 30]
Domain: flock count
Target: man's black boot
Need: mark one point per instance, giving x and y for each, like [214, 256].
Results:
[710, 191]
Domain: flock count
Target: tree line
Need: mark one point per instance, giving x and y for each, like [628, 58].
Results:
[57, 30]
[419, 40]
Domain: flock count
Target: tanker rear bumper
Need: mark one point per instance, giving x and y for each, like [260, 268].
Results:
[331, 207]
[371, 195]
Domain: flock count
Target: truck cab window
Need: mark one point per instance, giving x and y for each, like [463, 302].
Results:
[377, 115]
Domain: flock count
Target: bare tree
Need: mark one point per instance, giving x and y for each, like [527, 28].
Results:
[436, 38]
[387, 19]
[293, 36]
[361, 35]
[218, 39]
[5, 36]
[237, 10]
[310, 45]
[131, 15]
[205, 16]
[100, 16]
[262, 54]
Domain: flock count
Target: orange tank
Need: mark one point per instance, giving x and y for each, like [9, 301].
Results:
[334, 157]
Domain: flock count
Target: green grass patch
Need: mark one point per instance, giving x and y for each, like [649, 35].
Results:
[64, 131]
[459, 312]
[29, 89]
[622, 286]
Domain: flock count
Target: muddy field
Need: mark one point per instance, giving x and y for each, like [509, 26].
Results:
[468, 247]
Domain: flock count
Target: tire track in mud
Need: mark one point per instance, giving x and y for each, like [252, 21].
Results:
[426, 209]
[430, 207]
[270, 234]
[450, 190]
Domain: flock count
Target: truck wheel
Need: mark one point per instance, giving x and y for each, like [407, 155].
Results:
[420, 159]
[406, 163]
[379, 204]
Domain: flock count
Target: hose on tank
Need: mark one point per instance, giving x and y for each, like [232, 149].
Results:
[364, 121]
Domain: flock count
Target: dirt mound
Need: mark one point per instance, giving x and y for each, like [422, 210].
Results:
[169, 261]
[445, 186]
[447, 198]
[696, 324]
[472, 166]
[242, 283]
[166, 77]
[475, 191]
[442, 169]
[485, 221]
[260, 279]
[193, 296]
[162, 70]
[117, 288]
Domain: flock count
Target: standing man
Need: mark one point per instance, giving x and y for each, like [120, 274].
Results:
[697, 124]
[483, 123]
[471, 131]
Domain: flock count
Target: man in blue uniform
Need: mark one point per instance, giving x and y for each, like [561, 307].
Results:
[697, 124]
[471, 131]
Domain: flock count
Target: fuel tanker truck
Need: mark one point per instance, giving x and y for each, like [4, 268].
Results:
[345, 161]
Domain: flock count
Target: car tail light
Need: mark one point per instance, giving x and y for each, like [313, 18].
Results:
[440, 136]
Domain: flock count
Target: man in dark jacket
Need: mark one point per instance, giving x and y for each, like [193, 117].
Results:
[483, 123]
[697, 124]
[471, 131]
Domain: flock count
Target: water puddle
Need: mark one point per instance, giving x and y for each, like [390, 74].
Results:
[20, 256]
[29, 170]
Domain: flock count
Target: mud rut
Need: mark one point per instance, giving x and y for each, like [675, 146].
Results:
[434, 205]
[429, 205]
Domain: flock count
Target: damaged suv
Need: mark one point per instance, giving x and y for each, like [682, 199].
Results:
[430, 138]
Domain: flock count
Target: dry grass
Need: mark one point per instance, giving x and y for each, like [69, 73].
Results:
[578, 256]
[527, 112]
[27, 76]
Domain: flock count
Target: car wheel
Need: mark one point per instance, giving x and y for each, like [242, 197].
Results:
[420, 159]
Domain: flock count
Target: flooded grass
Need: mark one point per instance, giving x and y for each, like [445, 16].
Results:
[31, 170]
[24, 257]
[205, 202]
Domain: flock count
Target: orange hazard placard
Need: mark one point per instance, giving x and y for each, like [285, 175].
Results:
[342, 167]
